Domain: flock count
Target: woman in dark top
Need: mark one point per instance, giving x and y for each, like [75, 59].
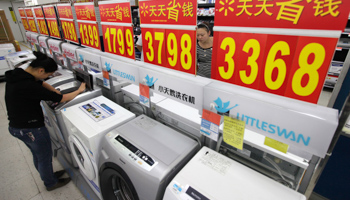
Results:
[24, 91]
[204, 49]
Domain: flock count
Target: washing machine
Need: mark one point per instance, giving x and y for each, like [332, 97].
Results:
[87, 123]
[19, 58]
[210, 175]
[139, 158]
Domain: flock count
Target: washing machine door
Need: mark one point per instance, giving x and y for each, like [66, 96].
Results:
[81, 157]
[115, 184]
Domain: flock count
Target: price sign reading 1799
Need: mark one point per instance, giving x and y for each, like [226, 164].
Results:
[281, 62]
[118, 37]
[172, 46]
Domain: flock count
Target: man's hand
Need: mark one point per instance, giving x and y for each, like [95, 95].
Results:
[82, 87]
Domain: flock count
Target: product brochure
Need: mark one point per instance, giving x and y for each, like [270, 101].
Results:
[97, 111]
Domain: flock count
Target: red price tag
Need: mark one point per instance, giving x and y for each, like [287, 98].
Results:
[53, 28]
[49, 12]
[284, 65]
[69, 30]
[25, 24]
[118, 40]
[310, 66]
[42, 26]
[115, 12]
[174, 49]
[32, 25]
[89, 34]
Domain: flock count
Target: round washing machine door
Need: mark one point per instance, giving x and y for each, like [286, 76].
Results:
[117, 185]
[81, 157]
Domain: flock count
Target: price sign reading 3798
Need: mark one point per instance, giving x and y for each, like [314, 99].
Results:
[292, 66]
[170, 48]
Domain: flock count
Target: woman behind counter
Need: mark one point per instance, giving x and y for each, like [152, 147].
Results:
[204, 49]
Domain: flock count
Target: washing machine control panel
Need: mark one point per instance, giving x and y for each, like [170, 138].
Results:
[135, 154]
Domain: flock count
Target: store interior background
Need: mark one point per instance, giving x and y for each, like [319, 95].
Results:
[19, 179]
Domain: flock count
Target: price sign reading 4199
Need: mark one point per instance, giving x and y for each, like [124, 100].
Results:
[53, 28]
[118, 40]
[292, 66]
[89, 34]
[174, 49]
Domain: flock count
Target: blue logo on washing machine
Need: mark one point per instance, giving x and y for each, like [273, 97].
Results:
[108, 66]
[223, 107]
[81, 58]
[149, 81]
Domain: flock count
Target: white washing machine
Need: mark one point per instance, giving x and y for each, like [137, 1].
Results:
[139, 158]
[210, 175]
[87, 123]
[16, 59]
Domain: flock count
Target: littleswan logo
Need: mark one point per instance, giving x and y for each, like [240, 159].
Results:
[81, 58]
[108, 66]
[223, 107]
[149, 81]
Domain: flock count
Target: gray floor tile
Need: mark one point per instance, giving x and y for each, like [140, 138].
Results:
[37, 197]
[24, 188]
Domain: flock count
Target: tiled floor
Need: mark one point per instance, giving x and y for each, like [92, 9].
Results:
[19, 178]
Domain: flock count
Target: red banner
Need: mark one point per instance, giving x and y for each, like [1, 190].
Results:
[115, 12]
[25, 24]
[32, 25]
[29, 12]
[38, 11]
[65, 11]
[89, 34]
[53, 28]
[69, 31]
[175, 49]
[174, 12]
[118, 40]
[42, 26]
[296, 14]
[49, 12]
[85, 11]
[22, 12]
[293, 66]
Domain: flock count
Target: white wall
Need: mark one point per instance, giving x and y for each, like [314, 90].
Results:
[16, 30]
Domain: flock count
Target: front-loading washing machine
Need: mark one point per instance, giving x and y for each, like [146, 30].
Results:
[87, 123]
[210, 175]
[139, 159]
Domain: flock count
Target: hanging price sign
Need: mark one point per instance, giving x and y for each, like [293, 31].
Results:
[165, 42]
[64, 11]
[38, 11]
[25, 24]
[85, 11]
[32, 25]
[175, 49]
[29, 12]
[49, 11]
[118, 37]
[53, 28]
[89, 34]
[42, 26]
[69, 30]
[22, 12]
[287, 60]
[119, 40]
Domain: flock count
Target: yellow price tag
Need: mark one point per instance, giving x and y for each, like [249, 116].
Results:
[280, 146]
[233, 132]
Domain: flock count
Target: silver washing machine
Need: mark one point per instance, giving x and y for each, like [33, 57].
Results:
[139, 159]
